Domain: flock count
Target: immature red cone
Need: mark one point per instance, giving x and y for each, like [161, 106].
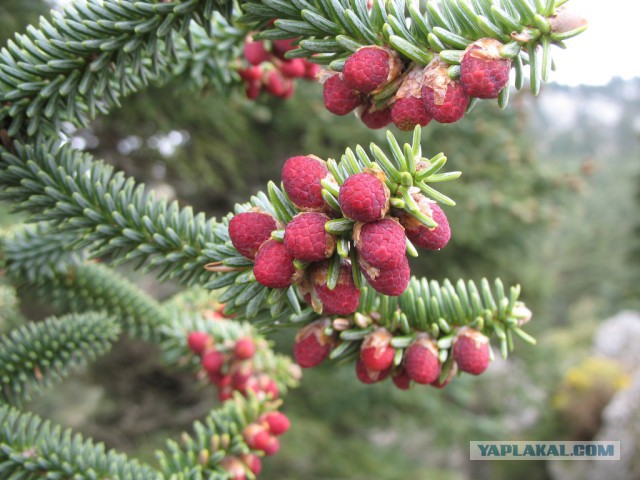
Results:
[253, 463]
[255, 52]
[338, 97]
[244, 348]
[483, 71]
[421, 360]
[471, 351]
[225, 393]
[290, 89]
[249, 230]
[273, 266]
[401, 378]
[364, 197]
[234, 467]
[368, 376]
[294, 68]
[312, 346]
[240, 373]
[343, 299]
[452, 107]
[276, 422]
[376, 351]
[421, 235]
[280, 47]
[250, 74]
[391, 281]
[408, 110]
[268, 385]
[272, 447]
[443, 98]
[276, 84]
[256, 436]
[212, 361]
[382, 244]
[219, 379]
[311, 70]
[370, 68]
[198, 342]
[306, 239]
[301, 177]
[446, 380]
[253, 89]
[376, 118]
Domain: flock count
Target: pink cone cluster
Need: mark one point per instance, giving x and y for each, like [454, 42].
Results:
[263, 434]
[261, 437]
[423, 94]
[377, 361]
[230, 367]
[268, 70]
[302, 255]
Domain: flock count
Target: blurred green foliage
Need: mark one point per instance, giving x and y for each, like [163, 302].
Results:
[15, 14]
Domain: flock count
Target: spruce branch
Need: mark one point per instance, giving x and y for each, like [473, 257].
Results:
[431, 314]
[210, 58]
[93, 286]
[116, 218]
[31, 449]
[36, 252]
[39, 354]
[202, 454]
[107, 211]
[10, 315]
[437, 309]
[39, 258]
[328, 32]
[82, 61]
[224, 333]
[440, 309]
[407, 175]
